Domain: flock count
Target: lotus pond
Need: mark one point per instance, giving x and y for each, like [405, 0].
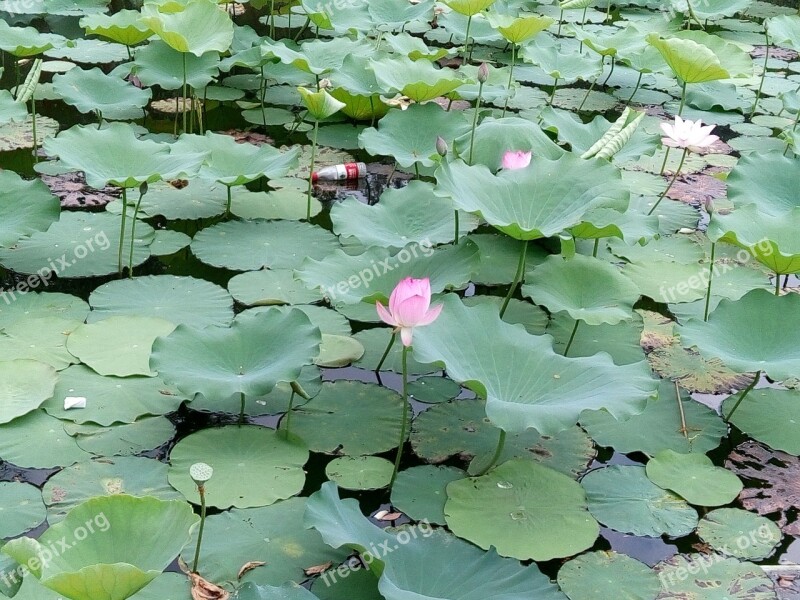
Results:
[545, 348]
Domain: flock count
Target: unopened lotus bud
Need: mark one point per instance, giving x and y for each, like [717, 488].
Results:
[483, 73]
[298, 389]
[441, 146]
[324, 84]
[143, 188]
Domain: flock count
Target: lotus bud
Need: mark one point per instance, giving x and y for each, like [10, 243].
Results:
[298, 389]
[200, 473]
[143, 188]
[441, 146]
[483, 73]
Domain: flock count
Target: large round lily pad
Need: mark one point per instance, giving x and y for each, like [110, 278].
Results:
[420, 492]
[21, 508]
[694, 477]
[18, 219]
[43, 339]
[739, 533]
[360, 472]
[608, 575]
[53, 447]
[769, 415]
[122, 439]
[35, 305]
[712, 577]
[253, 466]
[524, 509]
[24, 385]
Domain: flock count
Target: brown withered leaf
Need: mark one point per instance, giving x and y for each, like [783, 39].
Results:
[318, 569]
[205, 590]
[697, 189]
[249, 566]
[73, 191]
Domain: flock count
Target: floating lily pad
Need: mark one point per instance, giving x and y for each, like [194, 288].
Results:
[269, 287]
[252, 245]
[523, 509]
[624, 499]
[167, 242]
[17, 136]
[178, 300]
[22, 508]
[18, 219]
[287, 203]
[111, 399]
[38, 305]
[695, 373]
[433, 390]
[694, 477]
[713, 578]
[124, 440]
[360, 472]
[338, 351]
[607, 574]
[375, 342]
[759, 413]
[739, 533]
[360, 584]
[420, 492]
[329, 422]
[621, 341]
[118, 346]
[131, 475]
[42, 339]
[253, 466]
[24, 385]
[53, 447]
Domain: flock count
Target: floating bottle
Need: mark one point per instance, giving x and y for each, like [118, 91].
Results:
[341, 172]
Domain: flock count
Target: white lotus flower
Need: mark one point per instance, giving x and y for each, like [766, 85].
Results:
[692, 135]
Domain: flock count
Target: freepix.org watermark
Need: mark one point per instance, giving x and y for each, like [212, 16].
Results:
[378, 268]
[379, 552]
[57, 266]
[99, 523]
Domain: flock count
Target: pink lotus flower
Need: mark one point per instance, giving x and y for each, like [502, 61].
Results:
[688, 134]
[516, 159]
[409, 307]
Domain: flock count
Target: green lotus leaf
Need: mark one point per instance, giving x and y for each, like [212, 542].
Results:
[23, 510]
[10, 109]
[469, 7]
[519, 29]
[562, 285]
[253, 465]
[694, 477]
[355, 85]
[102, 562]
[231, 163]
[24, 385]
[413, 47]
[410, 144]
[420, 492]
[321, 104]
[53, 447]
[493, 137]
[526, 384]
[691, 61]
[374, 274]
[316, 57]
[127, 439]
[114, 155]
[566, 67]
[26, 41]
[198, 26]
[288, 591]
[624, 499]
[765, 179]
[89, 51]
[158, 64]
[94, 91]
[734, 60]
[250, 357]
[523, 509]
[18, 219]
[268, 287]
[360, 472]
[739, 533]
[33, 305]
[763, 408]
[418, 80]
[742, 335]
[412, 214]
[716, 578]
[123, 27]
[712, 9]
[784, 30]
[397, 14]
[608, 574]
[538, 201]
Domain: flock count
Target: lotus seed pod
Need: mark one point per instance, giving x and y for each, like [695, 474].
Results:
[201, 472]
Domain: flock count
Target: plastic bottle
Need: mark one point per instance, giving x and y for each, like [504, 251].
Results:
[341, 172]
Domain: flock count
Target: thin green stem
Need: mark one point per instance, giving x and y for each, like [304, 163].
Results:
[608, 11]
[611, 72]
[404, 424]
[636, 89]
[122, 229]
[763, 75]
[743, 395]
[184, 92]
[777, 284]
[517, 277]
[498, 451]
[263, 96]
[596, 247]
[457, 226]
[311, 172]
[560, 23]
[35, 137]
[133, 232]
[201, 489]
[591, 88]
[466, 41]
[416, 170]
[710, 280]
[553, 93]
[230, 201]
[583, 22]
[510, 76]
[289, 414]
[386, 352]
[684, 430]
[683, 99]
[272, 19]
[475, 121]
[572, 337]
[674, 177]
[241, 408]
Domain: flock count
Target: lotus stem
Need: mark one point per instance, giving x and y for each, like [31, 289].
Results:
[684, 430]
[710, 279]
[517, 277]
[560, 22]
[636, 89]
[122, 229]
[142, 192]
[744, 395]
[416, 170]
[404, 424]
[272, 19]
[553, 93]
[35, 137]
[596, 247]
[777, 284]
[498, 451]
[572, 337]
[674, 177]
[386, 352]
[457, 227]
[263, 96]
[183, 114]
[608, 11]
[466, 41]
[289, 414]
[583, 22]
[763, 75]
[241, 408]
[311, 172]
[683, 99]
[611, 72]
[475, 121]
[201, 490]
[230, 201]
[591, 87]
[510, 76]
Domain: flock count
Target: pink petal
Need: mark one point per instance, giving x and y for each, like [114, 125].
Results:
[401, 291]
[516, 159]
[431, 315]
[405, 335]
[412, 310]
[670, 142]
[385, 315]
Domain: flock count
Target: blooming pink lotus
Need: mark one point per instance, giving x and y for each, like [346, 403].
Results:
[516, 159]
[688, 134]
[409, 307]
